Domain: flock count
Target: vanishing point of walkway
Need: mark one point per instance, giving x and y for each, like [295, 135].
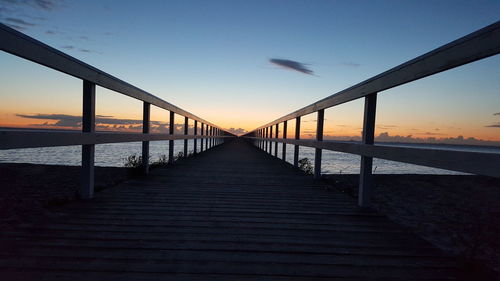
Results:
[231, 213]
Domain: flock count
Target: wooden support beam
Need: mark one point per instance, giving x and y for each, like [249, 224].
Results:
[202, 130]
[195, 143]
[276, 143]
[186, 127]
[88, 150]
[296, 147]
[266, 136]
[270, 142]
[366, 183]
[171, 142]
[283, 155]
[146, 112]
[319, 137]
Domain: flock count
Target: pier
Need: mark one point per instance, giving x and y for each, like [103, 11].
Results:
[235, 211]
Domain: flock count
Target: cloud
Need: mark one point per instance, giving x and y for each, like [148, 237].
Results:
[385, 127]
[493, 126]
[62, 120]
[83, 37]
[19, 22]
[103, 122]
[68, 47]
[20, 28]
[239, 131]
[460, 140]
[433, 134]
[351, 64]
[50, 32]
[293, 65]
[37, 4]
[88, 51]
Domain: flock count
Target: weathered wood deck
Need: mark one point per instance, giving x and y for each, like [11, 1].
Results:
[231, 213]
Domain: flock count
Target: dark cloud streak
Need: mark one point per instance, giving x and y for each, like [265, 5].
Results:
[19, 22]
[46, 5]
[493, 126]
[293, 65]
[351, 64]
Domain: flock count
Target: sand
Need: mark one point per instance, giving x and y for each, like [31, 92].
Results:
[459, 214]
[29, 192]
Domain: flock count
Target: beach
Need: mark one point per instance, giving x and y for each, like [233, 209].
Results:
[30, 193]
[458, 213]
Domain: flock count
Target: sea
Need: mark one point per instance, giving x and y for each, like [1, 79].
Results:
[116, 154]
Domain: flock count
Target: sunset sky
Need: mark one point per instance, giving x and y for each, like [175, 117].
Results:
[212, 58]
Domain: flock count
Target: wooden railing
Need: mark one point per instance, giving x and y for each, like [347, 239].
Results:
[16, 43]
[475, 46]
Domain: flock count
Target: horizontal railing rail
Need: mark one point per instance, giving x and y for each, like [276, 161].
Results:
[28, 139]
[473, 47]
[21, 45]
[471, 162]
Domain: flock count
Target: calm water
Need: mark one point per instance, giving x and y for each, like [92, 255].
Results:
[114, 155]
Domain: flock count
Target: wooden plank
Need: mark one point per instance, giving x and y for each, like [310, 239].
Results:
[475, 46]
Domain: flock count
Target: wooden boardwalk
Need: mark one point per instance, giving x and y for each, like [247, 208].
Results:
[231, 213]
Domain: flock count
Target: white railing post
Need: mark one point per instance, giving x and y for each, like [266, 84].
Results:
[171, 142]
[366, 183]
[276, 143]
[186, 126]
[296, 147]
[146, 113]
[195, 141]
[319, 137]
[266, 136]
[263, 134]
[88, 150]
[271, 136]
[207, 140]
[202, 130]
[283, 155]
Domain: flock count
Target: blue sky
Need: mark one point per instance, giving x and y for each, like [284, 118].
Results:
[211, 57]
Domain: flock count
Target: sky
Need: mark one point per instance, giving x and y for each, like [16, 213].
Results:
[228, 62]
